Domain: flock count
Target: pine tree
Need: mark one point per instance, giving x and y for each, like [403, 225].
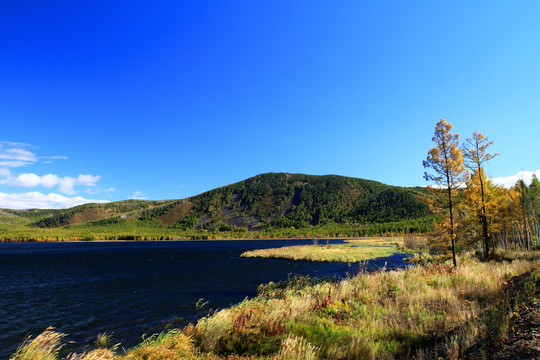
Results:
[446, 162]
[476, 155]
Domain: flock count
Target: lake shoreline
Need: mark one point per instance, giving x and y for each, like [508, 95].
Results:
[344, 238]
[131, 288]
[322, 319]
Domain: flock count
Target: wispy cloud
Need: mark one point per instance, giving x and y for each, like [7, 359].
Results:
[99, 190]
[509, 181]
[37, 200]
[14, 155]
[137, 195]
[54, 157]
[49, 159]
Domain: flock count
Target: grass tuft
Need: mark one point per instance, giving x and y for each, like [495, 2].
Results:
[297, 348]
[103, 340]
[97, 354]
[169, 345]
[45, 346]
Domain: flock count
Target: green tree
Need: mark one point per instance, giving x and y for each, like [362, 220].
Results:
[448, 172]
[476, 155]
[523, 213]
[534, 192]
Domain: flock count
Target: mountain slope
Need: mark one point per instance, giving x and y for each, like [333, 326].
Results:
[273, 200]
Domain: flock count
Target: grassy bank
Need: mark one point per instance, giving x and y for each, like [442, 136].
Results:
[382, 315]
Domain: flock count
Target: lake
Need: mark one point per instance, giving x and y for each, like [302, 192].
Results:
[135, 288]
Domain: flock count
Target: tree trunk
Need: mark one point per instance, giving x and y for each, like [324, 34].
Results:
[452, 235]
[484, 216]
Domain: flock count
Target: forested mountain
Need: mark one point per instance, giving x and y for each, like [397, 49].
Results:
[267, 201]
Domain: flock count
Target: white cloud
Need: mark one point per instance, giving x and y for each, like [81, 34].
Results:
[26, 180]
[509, 181]
[13, 155]
[87, 180]
[49, 180]
[37, 200]
[137, 195]
[65, 184]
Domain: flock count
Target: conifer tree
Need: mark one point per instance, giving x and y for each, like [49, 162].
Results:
[534, 192]
[481, 212]
[523, 213]
[476, 155]
[446, 162]
[503, 222]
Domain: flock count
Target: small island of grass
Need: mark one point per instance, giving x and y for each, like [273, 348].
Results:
[351, 251]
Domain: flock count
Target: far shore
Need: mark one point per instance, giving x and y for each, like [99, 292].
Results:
[220, 239]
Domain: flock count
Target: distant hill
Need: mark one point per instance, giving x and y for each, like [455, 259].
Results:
[267, 201]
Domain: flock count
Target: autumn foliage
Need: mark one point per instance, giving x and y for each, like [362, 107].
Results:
[472, 211]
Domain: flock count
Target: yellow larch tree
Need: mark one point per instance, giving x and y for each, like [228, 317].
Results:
[447, 172]
[476, 155]
[481, 211]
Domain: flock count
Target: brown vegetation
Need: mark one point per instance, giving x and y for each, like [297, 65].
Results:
[90, 214]
[178, 212]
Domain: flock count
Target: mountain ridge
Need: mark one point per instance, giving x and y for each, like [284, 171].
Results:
[265, 201]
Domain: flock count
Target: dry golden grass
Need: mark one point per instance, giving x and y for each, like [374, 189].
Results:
[172, 345]
[353, 252]
[297, 348]
[97, 354]
[45, 346]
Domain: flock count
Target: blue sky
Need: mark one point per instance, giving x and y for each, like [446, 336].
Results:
[110, 100]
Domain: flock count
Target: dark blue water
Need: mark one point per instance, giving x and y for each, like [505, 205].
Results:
[134, 288]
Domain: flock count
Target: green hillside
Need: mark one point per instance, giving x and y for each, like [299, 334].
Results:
[283, 200]
[267, 203]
